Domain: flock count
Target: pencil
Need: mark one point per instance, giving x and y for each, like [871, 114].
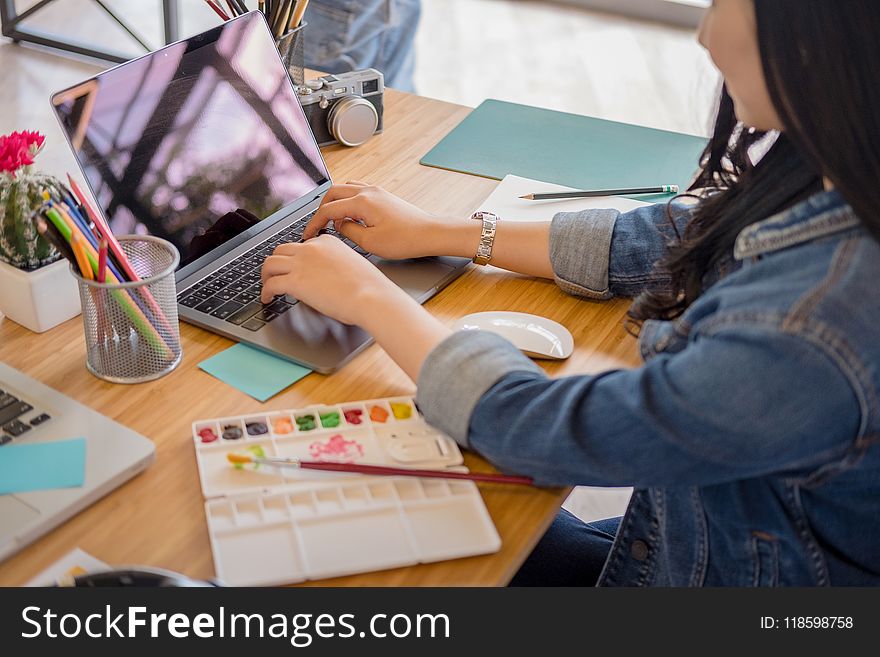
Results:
[102, 261]
[51, 235]
[119, 256]
[283, 18]
[82, 261]
[217, 9]
[662, 189]
[298, 14]
[239, 458]
[127, 303]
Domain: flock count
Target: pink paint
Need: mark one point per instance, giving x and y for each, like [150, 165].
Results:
[337, 449]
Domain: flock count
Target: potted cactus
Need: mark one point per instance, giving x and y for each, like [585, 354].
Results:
[36, 288]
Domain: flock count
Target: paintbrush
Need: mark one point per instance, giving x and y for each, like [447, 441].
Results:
[242, 458]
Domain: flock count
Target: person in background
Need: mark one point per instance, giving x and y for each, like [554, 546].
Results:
[349, 35]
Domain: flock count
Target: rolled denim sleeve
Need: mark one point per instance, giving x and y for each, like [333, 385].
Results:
[457, 373]
[722, 410]
[599, 254]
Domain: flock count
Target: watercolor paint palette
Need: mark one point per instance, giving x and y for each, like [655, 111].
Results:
[284, 525]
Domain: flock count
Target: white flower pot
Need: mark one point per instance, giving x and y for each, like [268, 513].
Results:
[40, 299]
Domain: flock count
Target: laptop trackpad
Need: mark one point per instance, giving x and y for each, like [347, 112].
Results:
[15, 515]
[416, 277]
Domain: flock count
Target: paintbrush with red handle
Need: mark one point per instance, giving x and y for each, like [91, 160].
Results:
[240, 458]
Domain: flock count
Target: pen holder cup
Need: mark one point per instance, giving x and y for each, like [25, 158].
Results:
[131, 328]
[291, 48]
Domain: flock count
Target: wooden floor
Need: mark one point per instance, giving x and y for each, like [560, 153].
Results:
[538, 53]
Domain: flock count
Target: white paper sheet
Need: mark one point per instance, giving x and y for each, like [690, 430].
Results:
[76, 562]
[505, 201]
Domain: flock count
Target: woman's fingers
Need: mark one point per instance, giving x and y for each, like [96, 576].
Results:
[347, 208]
[272, 288]
[341, 191]
[353, 230]
[276, 265]
[357, 182]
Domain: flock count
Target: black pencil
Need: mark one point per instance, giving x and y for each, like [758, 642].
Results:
[48, 231]
[662, 189]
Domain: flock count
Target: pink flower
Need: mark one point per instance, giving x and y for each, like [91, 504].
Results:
[18, 150]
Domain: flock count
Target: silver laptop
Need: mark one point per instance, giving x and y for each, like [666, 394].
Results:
[33, 413]
[204, 144]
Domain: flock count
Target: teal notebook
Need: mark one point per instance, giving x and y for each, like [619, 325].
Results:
[499, 138]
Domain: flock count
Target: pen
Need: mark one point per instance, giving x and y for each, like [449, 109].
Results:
[662, 189]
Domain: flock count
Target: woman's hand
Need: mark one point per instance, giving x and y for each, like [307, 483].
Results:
[383, 223]
[327, 275]
[333, 279]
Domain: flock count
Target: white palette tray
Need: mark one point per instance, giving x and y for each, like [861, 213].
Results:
[284, 525]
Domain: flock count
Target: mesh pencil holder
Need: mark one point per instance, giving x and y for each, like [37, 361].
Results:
[131, 328]
[291, 48]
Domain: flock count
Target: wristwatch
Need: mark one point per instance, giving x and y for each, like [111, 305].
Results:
[487, 237]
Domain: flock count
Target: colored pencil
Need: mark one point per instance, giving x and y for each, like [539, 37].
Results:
[119, 255]
[239, 458]
[90, 243]
[102, 262]
[82, 261]
[128, 305]
[105, 232]
[662, 189]
[217, 10]
[298, 14]
[51, 234]
[283, 18]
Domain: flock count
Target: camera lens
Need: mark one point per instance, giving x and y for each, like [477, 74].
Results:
[353, 120]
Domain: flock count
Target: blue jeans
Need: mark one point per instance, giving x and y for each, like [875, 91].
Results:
[571, 553]
[349, 35]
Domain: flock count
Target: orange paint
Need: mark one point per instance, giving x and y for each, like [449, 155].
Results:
[378, 414]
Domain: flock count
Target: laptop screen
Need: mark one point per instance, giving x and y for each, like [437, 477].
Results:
[197, 142]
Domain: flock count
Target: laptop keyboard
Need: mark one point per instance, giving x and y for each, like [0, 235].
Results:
[11, 411]
[232, 293]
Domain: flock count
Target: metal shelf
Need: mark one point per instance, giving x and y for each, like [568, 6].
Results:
[13, 27]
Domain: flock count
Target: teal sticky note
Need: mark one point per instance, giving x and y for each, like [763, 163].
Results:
[254, 372]
[42, 466]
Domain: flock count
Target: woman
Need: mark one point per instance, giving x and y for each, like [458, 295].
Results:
[752, 431]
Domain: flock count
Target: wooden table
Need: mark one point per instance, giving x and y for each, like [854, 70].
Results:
[158, 518]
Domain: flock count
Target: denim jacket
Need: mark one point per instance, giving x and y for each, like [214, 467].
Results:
[752, 430]
[348, 35]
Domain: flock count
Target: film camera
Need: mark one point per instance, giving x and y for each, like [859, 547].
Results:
[344, 108]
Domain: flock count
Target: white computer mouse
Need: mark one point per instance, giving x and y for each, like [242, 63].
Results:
[536, 337]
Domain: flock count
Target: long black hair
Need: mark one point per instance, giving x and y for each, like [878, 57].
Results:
[821, 60]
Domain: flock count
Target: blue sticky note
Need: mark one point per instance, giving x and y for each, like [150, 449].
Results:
[41, 466]
[254, 372]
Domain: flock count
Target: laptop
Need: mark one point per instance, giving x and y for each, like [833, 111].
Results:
[204, 143]
[33, 413]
